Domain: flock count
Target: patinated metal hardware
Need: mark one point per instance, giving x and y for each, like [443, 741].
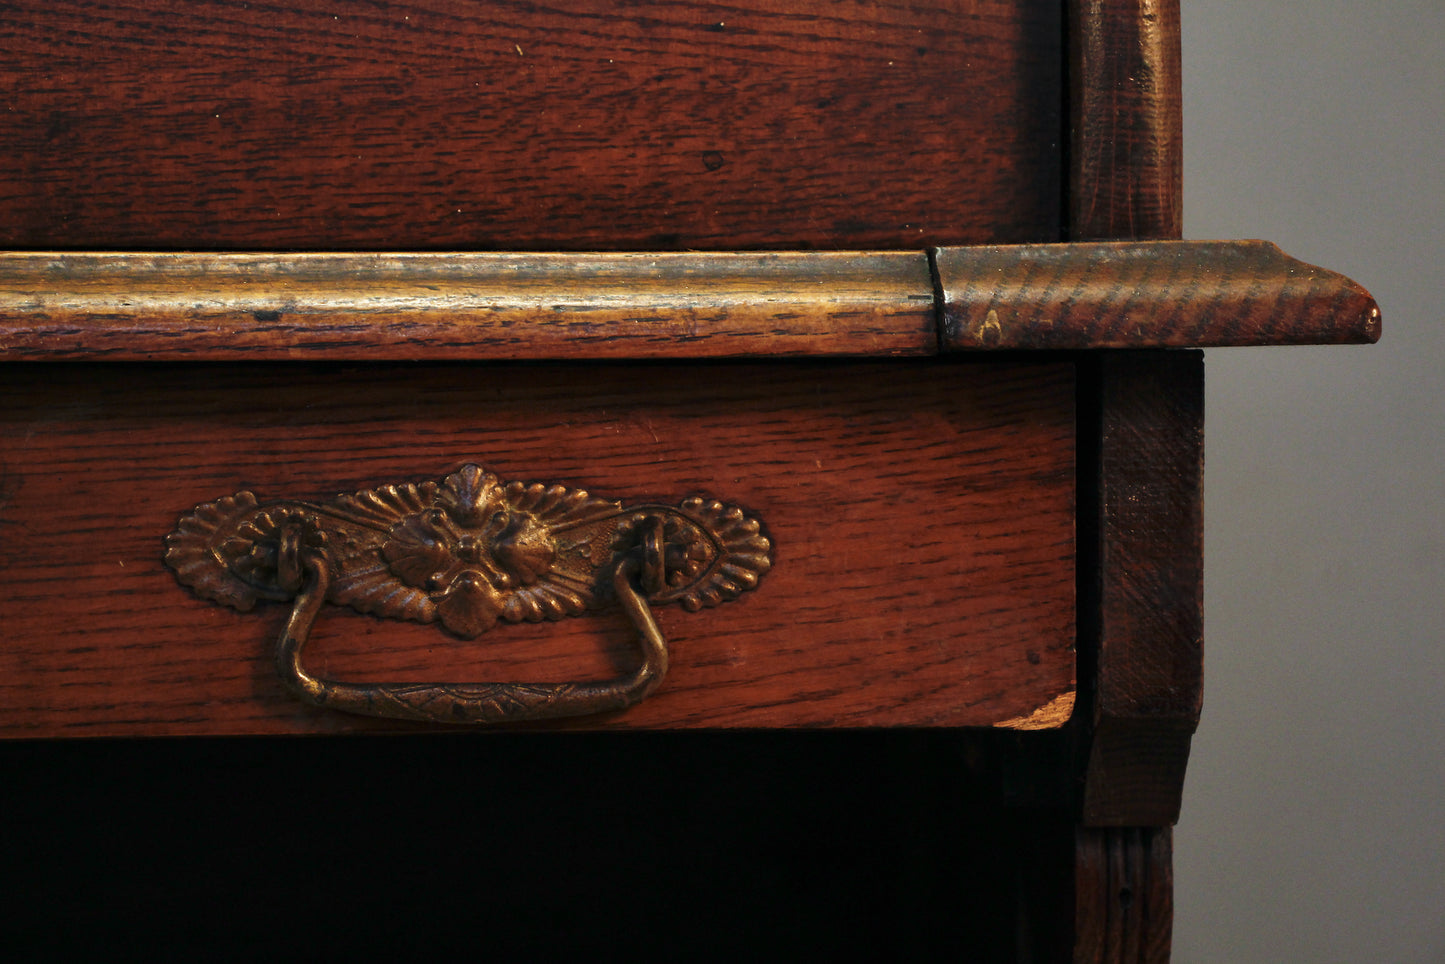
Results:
[468, 552]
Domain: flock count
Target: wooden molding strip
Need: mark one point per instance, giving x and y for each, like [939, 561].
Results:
[1150, 294]
[128, 307]
[422, 306]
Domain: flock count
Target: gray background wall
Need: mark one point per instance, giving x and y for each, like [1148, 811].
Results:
[1314, 813]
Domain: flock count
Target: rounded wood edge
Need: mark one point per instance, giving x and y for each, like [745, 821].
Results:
[1126, 120]
[1146, 294]
[463, 306]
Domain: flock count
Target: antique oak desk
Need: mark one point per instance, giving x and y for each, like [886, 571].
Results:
[346, 328]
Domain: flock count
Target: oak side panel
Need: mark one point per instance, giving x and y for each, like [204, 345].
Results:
[500, 125]
[1148, 667]
[921, 514]
[1125, 176]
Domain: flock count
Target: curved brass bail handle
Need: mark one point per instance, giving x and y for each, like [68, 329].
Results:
[474, 703]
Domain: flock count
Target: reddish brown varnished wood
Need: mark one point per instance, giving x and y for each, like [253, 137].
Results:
[502, 125]
[1126, 172]
[1197, 294]
[1148, 664]
[267, 125]
[548, 306]
[921, 518]
[1124, 896]
[1142, 444]
[458, 306]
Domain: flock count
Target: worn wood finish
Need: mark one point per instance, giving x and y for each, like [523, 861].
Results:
[456, 306]
[921, 517]
[1147, 661]
[667, 124]
[1125, 177]
[415, 306]
[1158, 294]
[1124, 896]
[1140, 520]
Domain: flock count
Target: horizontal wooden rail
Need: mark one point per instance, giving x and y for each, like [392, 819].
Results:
[1146, 294]
[427, 306]
[441, 306]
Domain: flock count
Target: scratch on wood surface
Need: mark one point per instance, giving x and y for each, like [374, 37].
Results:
[1050, 716]
[991, 331]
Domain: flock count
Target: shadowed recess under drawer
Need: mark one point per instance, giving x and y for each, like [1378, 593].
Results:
[921, 516]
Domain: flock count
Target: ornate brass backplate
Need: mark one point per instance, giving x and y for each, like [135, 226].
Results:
[468, 552]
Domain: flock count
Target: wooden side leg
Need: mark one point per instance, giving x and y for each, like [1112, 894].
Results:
[1143, 653]
[1123, 895]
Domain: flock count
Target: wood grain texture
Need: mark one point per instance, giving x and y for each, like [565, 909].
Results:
[1157, 294]
[463, 306]
[510, 125]
[1125, 176]
[1148, 661]
[414, 306]
[921, 514]
[1124, 896]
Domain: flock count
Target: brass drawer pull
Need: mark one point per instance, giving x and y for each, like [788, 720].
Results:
[468, 552]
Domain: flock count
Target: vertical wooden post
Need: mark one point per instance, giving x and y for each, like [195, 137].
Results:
[1124, 882]
[1126, 126]
[1148, 659]
[1140, 660]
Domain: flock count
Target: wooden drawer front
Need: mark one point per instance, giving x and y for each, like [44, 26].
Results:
[921, 516]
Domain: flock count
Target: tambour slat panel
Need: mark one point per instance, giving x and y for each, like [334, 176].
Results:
[581, 124]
